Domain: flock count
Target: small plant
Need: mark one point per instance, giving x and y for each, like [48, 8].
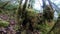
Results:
[3, 23]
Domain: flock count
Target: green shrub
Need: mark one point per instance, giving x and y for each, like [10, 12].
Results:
[4, 23]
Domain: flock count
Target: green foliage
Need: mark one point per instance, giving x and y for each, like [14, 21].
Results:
[0, 11]
[16, 27]
[3, 23]
[45, 27]
[30, 12]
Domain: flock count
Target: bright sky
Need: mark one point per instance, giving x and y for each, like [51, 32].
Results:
[38, 4]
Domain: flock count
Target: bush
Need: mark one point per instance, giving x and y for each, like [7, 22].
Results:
[3, 23]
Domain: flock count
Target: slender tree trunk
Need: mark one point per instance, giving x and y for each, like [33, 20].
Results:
[44, 4]
[50, 4]
[20, 13]
[18, 16]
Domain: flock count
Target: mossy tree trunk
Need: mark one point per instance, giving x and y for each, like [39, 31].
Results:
[48, 12]
[21, 13]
